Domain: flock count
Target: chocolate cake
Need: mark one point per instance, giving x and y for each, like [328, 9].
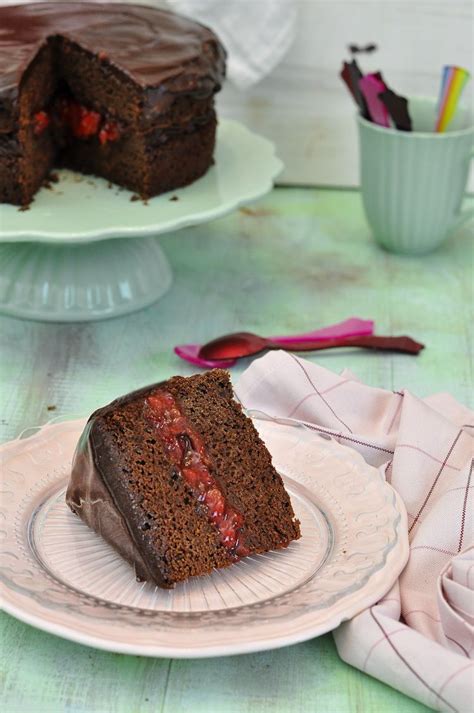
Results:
[122, 91]
[176, 479]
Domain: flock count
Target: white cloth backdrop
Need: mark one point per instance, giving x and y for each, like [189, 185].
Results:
[256, 33]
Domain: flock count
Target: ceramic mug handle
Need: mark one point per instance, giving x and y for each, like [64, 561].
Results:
[464, 215]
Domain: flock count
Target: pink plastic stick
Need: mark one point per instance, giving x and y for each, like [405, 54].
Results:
[371, 87]
[353, 327]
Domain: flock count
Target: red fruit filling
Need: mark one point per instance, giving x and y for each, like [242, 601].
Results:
[109, 132]
[80, 121]
[84, 123]
[186, 450]
[40, 122]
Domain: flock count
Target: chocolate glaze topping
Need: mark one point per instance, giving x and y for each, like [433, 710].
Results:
[90, 496]
[155, 48]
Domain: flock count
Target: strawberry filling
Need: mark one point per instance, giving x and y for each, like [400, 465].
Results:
[84, 123]
[186, 450]
[109, 132]
[41, 122]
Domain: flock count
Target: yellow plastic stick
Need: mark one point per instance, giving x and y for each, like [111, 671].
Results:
[451, 98]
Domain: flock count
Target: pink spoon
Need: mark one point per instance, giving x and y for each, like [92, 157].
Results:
[352, 327]
[244, 344]
[190, 353]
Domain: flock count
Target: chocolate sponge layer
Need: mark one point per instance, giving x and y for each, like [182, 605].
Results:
[142, 161]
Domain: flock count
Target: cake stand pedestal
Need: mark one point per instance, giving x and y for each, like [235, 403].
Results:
[83, 281]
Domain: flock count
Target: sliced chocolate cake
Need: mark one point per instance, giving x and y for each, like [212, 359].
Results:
[122, 91]
[176, 478]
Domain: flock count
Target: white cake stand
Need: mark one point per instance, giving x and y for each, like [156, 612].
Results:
[58, 261]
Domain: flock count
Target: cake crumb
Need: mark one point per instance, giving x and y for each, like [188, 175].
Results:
[174, 198]
[255, 212]
[49, 180]
[134, 198]
[51, 407]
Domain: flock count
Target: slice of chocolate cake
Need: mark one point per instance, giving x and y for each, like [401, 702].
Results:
[176, 479]
[122, 91]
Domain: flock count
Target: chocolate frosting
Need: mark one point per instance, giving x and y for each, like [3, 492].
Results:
[89, 497]
[155, 48]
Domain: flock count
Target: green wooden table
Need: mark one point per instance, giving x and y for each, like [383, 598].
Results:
[297, 259]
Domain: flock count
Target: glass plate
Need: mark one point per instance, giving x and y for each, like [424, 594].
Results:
[60, 576]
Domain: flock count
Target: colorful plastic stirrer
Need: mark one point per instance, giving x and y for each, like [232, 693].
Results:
[371, 86]
[397, 107]
[351, 75]
[453, 81]
[447, 70]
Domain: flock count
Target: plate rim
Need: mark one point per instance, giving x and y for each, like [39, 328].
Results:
[378, 583]
[275, 166]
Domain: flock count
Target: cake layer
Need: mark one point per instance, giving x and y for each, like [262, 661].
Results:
[181, 469]
[26, 158]
[94, 81]
[162, 55]
[147, 163]
[61, 67]
[144, 163]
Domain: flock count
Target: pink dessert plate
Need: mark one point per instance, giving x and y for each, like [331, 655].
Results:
[61, 577]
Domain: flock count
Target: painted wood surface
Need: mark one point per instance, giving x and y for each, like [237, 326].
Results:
[297, 259]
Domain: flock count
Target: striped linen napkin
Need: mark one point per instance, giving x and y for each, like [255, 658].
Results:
[420, 637]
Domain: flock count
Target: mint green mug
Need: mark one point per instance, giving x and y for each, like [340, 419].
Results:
[413, 183]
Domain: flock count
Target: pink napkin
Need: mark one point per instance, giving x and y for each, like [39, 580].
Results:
[420, 637]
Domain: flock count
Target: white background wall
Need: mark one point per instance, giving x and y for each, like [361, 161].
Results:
[303, 105]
